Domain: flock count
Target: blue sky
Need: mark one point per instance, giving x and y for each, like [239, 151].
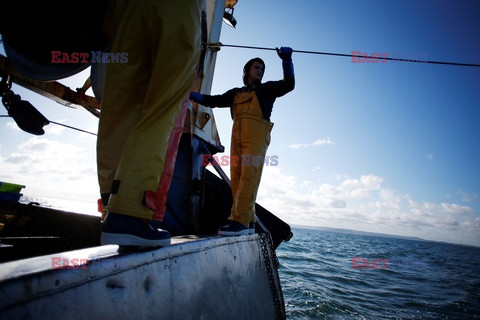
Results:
[384, 147]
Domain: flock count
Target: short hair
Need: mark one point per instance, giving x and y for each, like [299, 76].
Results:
[247, 67]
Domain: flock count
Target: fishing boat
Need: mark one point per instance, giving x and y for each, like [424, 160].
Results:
[51, 261]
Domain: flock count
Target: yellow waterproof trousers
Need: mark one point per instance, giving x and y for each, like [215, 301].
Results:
[250, 140]
[143, 98]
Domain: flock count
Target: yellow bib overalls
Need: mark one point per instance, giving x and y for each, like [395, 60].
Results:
[142, 100]
[250, 140]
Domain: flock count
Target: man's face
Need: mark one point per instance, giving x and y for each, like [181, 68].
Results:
[256, 72]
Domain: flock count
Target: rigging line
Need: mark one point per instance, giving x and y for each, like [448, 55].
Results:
[60, 124]
[81, 130]
[219, 44]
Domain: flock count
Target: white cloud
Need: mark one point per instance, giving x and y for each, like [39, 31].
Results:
[12, 125]
[54, 128]
[453, 208]
[49, 129]
[367, 204]
[51, 168]
[48, 166]
[319, 142]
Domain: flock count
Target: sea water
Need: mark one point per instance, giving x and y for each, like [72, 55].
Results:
[340, 275]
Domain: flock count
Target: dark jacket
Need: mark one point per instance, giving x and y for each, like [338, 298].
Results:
[266, 94]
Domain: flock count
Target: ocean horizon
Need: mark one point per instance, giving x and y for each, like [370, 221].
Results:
[329, 274]
[91, 208]
[378, 234]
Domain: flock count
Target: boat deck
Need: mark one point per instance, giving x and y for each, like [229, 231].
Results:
[193, 278]
[81, 258]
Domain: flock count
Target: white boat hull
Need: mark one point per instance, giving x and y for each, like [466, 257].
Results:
[194, 278]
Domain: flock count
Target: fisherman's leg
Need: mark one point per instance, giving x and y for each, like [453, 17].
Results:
[235, 225]
[172, 57]
[261, 146]
[242, 219]
[247, 190]
[255, 141]
[235, 164]
[122, 97]
[114, 125]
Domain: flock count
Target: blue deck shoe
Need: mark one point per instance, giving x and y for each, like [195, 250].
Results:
[234, 228]
[129, 231]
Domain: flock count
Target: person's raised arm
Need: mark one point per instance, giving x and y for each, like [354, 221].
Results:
[288, 83]
[285, 53]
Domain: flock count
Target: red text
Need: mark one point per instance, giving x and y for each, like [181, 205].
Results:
[75, 263]
[358, 57]
[363, 263]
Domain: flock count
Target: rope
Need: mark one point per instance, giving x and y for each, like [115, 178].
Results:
[81, 130]
[60, 124]
[219, 44]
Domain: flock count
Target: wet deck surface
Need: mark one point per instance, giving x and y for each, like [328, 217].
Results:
[76, 258]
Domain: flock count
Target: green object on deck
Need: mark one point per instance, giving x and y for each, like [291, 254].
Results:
[10, 187]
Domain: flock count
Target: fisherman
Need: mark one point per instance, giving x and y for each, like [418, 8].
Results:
[143, 108]
[251, 107]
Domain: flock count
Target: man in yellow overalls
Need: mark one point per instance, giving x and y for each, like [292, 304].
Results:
[143, 108]
[251, 107]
